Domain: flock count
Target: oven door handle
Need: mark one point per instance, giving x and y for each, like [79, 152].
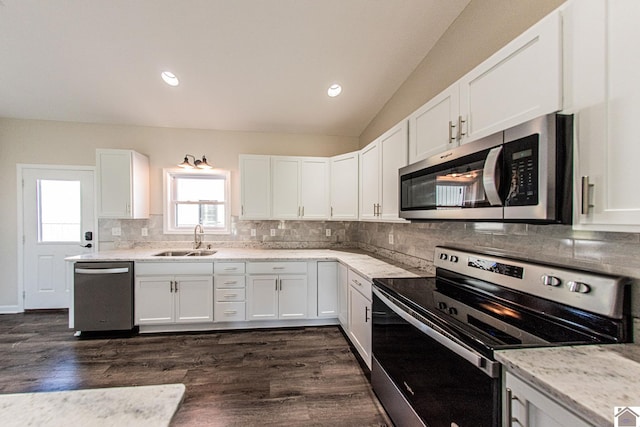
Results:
[488, 366]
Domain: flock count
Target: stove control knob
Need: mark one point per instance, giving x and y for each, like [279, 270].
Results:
[453, 311]
[580, 287]
[442, 305]
[550, 280]
[454, 258]
[444, 256]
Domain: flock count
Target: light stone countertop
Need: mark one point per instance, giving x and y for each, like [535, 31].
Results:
[151, 406]
[590, 380]
[362, 263]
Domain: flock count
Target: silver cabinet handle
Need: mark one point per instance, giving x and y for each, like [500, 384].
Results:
[366, 315]
[230, 282]
[230, 311]
[460, 133]
[302, 212]
[171, 286]
[298, 210]
[356, 282]
[278, 268]
[509, 409]
[175, 284]
[451, 127]
[586, 188]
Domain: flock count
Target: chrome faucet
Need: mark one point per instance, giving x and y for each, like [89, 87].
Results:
[197, 237]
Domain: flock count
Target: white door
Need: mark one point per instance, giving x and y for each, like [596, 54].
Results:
[255, 187]
[285, 189]
[393, 152]
[344, 186]
[314, 188]
[154, 300]
[194, 299]
[58, 211]
[369, 181]
[262, 298]
[292, 298]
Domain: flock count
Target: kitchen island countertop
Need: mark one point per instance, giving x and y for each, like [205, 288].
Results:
[590, 380]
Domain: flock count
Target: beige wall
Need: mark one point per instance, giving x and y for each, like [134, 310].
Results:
[480, 30]
[45, 142]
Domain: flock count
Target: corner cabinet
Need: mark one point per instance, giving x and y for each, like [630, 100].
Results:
[328, 289]
[255, 187]
[520, 82]
[602, 90]
[379, 164]
[344, 186]
[122, 178]
[525, 406]
[277, 290]
[170, 293]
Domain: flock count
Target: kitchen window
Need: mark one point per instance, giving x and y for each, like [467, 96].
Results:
[196, 197]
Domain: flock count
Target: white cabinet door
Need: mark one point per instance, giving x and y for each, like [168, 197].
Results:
[360, 324]
[123, 184]
[370, 181]
[344, 186]
[314, 188]
[285, 187]
[603, 91]
[327, 288]
[433, 127]
[532, 408]
[519, 82]
[393, 153]
[262, 297]
[193, 299]
[154, 300]
[255, 187]
[292, 297]
[343, 297]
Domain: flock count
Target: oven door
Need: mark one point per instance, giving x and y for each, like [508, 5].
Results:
[424, 377]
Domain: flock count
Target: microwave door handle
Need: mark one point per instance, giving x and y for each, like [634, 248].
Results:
[490, 177]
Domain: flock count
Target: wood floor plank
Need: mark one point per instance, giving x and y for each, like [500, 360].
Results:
[267, 377]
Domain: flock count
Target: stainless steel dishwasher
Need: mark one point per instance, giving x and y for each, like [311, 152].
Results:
[103, 296]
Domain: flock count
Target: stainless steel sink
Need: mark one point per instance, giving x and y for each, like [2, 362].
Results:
[186, 253]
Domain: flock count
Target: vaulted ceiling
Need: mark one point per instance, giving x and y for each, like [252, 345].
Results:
[252, 65]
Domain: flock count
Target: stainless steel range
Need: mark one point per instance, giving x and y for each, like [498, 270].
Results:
[433, 339]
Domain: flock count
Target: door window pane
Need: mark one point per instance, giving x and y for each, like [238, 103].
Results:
[59, 211]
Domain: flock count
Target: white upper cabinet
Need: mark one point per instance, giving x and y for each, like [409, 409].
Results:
[255, 186]
[602, 90]
[300, 187]
[344, 186]
[379, 164]
[433, 127]
[123, 184]
[521, 81]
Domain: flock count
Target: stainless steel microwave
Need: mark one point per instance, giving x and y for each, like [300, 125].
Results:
[523, 174]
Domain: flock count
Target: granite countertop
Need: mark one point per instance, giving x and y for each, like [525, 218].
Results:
[361, 262]
[151, 406]
[591, 380]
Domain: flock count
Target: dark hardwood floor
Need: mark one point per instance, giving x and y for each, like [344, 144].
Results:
[279, 377]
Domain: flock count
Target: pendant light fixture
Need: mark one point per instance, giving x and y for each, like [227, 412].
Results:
[199, 164]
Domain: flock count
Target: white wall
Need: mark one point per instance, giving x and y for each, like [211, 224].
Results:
[46, 142]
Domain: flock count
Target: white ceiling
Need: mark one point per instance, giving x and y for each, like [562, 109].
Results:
[253, 65]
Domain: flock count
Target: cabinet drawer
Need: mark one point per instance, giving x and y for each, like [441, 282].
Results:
[229, 312]
[229, 294]
[286, 267]
[228, 268]
[148, 268]
[360, 283]
[224, 282]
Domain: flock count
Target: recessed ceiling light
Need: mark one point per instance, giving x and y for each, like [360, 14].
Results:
[334, 90]
[170, 78]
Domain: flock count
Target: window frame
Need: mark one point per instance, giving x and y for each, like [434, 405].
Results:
[169, 202]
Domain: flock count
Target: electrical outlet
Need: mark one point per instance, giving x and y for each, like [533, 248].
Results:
[144, 231]
[327, 232]
[273, 232]
[391, 238]
[116, 231]
[253, 232]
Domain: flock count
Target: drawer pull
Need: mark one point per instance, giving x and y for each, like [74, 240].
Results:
[230, 312]
[356, 282]
[230, 295]
[278, 268]
[230, 282]
[230, 268]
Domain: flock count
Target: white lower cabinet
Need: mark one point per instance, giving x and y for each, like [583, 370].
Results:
[525, 406]
[173, 299]
[277, 297]
[230, 292]
[343, 297]
[328, 289]
[173, 293]
[360, 315]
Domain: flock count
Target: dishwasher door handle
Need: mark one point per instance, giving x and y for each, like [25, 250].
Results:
[102, 270]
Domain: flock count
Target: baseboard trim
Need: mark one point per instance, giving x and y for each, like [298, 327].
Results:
[10, 309]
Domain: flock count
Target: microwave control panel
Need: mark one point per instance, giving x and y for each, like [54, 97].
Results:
[521, 165]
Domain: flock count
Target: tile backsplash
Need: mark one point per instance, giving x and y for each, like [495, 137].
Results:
[413, 243]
